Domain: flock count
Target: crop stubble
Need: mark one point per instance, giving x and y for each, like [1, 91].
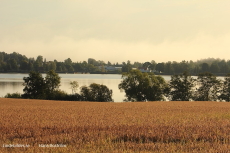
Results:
[115, 127]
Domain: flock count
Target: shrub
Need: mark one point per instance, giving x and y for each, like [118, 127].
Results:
[140, 86]
[96, 92]
[62, 95]
[13, 95]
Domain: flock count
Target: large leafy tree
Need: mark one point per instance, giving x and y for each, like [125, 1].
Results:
[209, 87]
[181, 87]
[52, 81]
[140, 86]
[225, 92]
[96, 92]
[37, 87]
[34, 86]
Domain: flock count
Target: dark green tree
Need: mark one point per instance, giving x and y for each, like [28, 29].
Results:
[52, 82]
[214, 68]
[137, 64]
[205, 67]
[209, 87]
[153, 65]
[146, 65]
[37, 87]
[13, 64]
[109, 63]
[225, 92]
[169, 68]
[126, 67]
[91, 68]
[140, 86]
[1, 56]
[52, 66]
[38, 65]
[181, 87]
[24, 65]
[160, 67]
[92, 61]
[96, 92]
[34, 86]
[176, 67]
[68, 61]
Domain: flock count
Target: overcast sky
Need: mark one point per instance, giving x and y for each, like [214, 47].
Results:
[116, 30]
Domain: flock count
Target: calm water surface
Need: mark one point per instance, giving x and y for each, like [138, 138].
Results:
[11, 83]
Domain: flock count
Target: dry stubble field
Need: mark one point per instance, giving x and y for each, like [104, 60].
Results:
[115, 127]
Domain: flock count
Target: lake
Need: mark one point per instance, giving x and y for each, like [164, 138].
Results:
[11, 83]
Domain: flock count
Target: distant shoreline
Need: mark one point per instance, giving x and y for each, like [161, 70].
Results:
[161, 74]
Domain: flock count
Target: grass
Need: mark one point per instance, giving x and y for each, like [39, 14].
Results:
[115, 127]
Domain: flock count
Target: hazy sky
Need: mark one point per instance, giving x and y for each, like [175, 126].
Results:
[116, 30]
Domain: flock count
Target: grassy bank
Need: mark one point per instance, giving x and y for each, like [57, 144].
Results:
[115, 127]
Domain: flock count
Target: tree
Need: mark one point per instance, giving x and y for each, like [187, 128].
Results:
[146, 65]
[214, 68]
[137, 64]
[92, 61]
[1, 56]
[140, 86]
[39, 61]
[160, 67]
[24, 65]
[181, 87]
[176, 67]
[91, 68]
[204, 67]
[209, 87]
[96, 92]
[74, 86]
[52, 81]
[38, 64]
[109, 63]
[169, 68]
[68, 61]
[153, 65]
[225, 92]
[13, 64]
[34, 86]
[126, 67]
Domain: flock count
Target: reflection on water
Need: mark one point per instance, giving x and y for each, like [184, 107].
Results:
[11, 83]
[10, 87]
[110, 83]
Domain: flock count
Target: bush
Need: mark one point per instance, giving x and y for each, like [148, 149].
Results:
[13, 95]
[62, 95]
[140, 86]
[96, 92]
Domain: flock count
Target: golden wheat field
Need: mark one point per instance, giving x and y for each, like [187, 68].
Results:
[114, 127]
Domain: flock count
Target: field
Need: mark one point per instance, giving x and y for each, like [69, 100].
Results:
[114, 127]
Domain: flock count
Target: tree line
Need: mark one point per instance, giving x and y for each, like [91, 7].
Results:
[137, 86]
[15, 62]
[181, 87]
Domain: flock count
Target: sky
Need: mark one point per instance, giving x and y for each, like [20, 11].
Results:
[116, 30]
